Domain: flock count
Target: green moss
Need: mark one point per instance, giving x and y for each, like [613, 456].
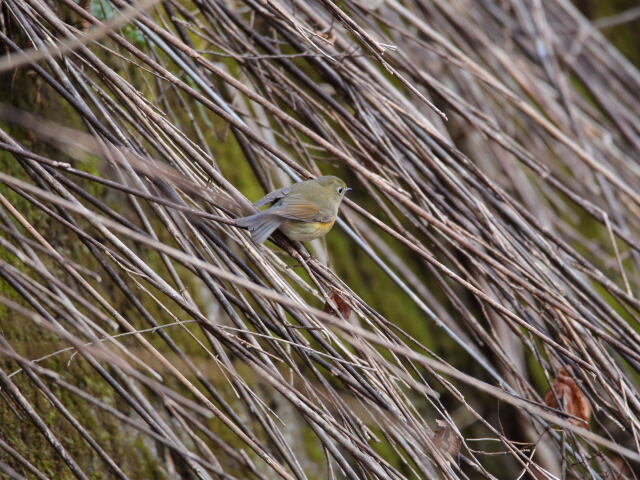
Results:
[312, 446]
[9, 166]
[147, 465]
[91, 164]
[536, 372]
[32, 342]
[578, 86]
[368, 280]
[623, 36]
[384, 447]
[230, 158]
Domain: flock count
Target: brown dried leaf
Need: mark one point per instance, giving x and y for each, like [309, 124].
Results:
[446, 439]
[571, 398]
[343, 307]
[85, 5]
[329, 37]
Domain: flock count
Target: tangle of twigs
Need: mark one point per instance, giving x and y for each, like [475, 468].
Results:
[490, 247]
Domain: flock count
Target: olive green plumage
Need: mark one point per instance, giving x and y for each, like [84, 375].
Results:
[303, 211]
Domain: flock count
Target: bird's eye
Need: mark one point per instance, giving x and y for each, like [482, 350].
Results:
[341, 190]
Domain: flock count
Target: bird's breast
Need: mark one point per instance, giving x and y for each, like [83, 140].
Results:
[305, 231]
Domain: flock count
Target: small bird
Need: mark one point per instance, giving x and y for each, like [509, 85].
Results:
[303, 211]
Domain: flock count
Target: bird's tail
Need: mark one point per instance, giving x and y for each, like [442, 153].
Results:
[261, 225]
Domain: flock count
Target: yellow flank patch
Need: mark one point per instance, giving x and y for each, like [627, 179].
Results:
[305, 231]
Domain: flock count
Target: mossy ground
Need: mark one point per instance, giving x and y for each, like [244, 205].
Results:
[31, 341]
[134, 453]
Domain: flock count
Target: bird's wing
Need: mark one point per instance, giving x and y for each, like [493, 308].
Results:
[273, 196]
[295, 207]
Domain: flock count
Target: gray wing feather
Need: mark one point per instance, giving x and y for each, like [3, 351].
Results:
[273, 196]
[296, 207]
[322, 215]
[261, 225]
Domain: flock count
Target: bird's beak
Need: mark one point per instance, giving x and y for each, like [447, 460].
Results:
[348, 189]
